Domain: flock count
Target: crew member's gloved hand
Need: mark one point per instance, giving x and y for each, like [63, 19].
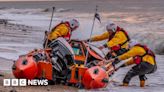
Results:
[104, 46]
[101, 47]
[87, 40]
[123, 65]
[116, 61]
[46, 32]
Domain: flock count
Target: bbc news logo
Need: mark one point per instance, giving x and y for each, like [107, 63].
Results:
[24, 82]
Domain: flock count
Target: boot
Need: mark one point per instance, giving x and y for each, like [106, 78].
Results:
[124, 84]
[142, 83]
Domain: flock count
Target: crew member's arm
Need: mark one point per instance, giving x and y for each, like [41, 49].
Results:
[129, 62]
[101, 37]
[134, 51]
[58, 32]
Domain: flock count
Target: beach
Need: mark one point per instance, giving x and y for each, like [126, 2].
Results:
[24, 23]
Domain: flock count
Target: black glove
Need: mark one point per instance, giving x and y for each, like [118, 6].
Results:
[105, 45]
[87, 40]
[116, 61]
[123, 65]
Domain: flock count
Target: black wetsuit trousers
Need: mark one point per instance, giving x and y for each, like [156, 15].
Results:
[140, 70]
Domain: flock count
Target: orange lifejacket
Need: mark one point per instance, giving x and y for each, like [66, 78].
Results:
[68, 36]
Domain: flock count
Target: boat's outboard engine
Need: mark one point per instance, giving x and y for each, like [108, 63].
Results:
[62, 58]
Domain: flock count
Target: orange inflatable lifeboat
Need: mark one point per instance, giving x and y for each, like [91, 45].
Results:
[80, 49]
[64, 62]
[95, 77]
[35, 64]
[25, 67]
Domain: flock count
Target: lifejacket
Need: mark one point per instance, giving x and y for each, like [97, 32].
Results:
[148, 51]
[68, 36]
[138, 59]
[118, 47]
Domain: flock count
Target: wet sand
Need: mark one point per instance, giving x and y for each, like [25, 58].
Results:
[49, 88]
